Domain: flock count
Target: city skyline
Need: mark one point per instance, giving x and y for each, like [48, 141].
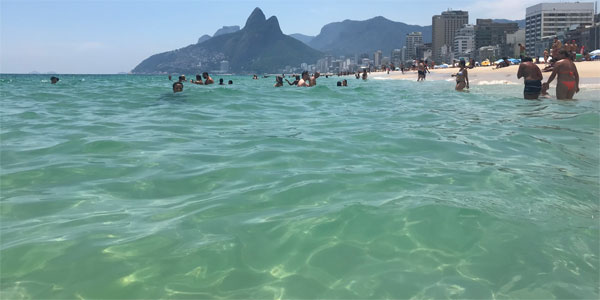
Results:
[111, 36]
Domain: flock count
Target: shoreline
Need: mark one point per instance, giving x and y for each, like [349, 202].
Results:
[589, 74]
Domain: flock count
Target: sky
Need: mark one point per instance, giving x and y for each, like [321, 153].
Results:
[111, 36]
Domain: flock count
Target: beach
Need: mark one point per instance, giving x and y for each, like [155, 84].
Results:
[589, 74]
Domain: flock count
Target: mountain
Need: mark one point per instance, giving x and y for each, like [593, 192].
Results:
[520, 22]
[203, 38]
[303, 38]
[220, 31]
[351, 37]
[257, 48]
[226, 30]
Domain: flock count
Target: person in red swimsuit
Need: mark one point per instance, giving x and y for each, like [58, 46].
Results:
[568, 78]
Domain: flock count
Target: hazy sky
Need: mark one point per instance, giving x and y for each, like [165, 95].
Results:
[110, 36]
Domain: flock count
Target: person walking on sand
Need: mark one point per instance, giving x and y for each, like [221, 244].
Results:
[546, 55]
[568, 78]
[462, 77]
[532, 75]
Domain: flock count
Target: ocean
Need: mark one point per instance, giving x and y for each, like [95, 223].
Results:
[113, 187]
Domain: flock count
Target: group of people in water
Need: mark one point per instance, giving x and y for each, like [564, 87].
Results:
[178, 85]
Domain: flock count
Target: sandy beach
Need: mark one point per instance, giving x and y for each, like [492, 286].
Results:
[589, 74]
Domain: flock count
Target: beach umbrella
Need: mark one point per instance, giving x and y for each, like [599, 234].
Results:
[498, 61]
[595, 52]
[514, 61]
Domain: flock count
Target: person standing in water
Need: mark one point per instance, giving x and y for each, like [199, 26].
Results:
[295, 81]
[208, 79]
[278, 81]
[462, 77]
[568, 78]
[198, 80]
[305, 80]
[54, 80]
[364, 75]
[313, 79]
[532, 76]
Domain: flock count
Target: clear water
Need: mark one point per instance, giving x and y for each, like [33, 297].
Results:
[114, 187]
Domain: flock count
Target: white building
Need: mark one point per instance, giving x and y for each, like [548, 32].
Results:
[513, 40]
[464, 41]
[413, 40]
[546, 19]
[224, 66]
[377, 58]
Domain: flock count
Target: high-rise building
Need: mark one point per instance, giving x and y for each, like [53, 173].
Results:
[413, 40]
[464, 41]
[489, 33]
[444, 28]
[224, 66]
[396, 57]
[377, 58]
[546, 19]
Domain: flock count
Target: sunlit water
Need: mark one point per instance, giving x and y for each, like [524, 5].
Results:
[114, 187]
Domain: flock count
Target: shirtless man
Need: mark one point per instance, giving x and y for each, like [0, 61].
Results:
[532, 76]
[207, 79]
[364, 75]
[421, 70]
[177, 87]
[198, 80]
[556, 46]
[568, 78]
[313, 80]
[305, 80]
[521, 51]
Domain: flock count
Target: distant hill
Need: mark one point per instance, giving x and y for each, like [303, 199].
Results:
[220, 31]
[350, 37]
[303, 38]
[520, 22]
[257, 48]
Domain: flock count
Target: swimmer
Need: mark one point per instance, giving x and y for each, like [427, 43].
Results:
[305, 80]
[339, 83]
[568, 78]
[532, 75]
[170, 79]
[278, 81]
[462, 77]
[208, 79]
[198, 80]
[313, 80]
[230, 82]
[344, 82]
[254, 77]
[177, 87]
[221, 81]
[295, 81]
[54, 79]
[364, 75]
[182, 78]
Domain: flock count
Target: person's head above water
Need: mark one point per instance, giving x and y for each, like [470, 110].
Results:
[181, 78]
[279, 79]
[177, 87]
[54, 79]
[339, 83]
[205, 75]
[230, 82]
[220, 81]
[305, 75]
[198, 77]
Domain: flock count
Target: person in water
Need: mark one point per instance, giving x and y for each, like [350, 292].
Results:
[339, 83]
[278, 81]
[221, 81]
[462, 77]
[364, 75]
[295, 81]
[54, 80]
[344, 82]
[230, 82]
[198, 80]
[207, 79]
[305, 80]
[532, 76]
[177, 87]
[254, 77]
[313, 79]
[568, 78]
[421, 70]
[182, 78]
[170, 79]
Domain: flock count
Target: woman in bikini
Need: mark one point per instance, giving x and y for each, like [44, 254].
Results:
[462, 77]
[568, 78]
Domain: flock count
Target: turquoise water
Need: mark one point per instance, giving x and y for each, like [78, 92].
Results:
[114, 187]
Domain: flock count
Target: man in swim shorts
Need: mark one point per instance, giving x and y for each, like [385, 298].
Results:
[532, 76]
[568, 78]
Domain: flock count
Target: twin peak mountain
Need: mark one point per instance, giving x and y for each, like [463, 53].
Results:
[261, 47]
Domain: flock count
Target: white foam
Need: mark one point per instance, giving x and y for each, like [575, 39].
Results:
[496, 82]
